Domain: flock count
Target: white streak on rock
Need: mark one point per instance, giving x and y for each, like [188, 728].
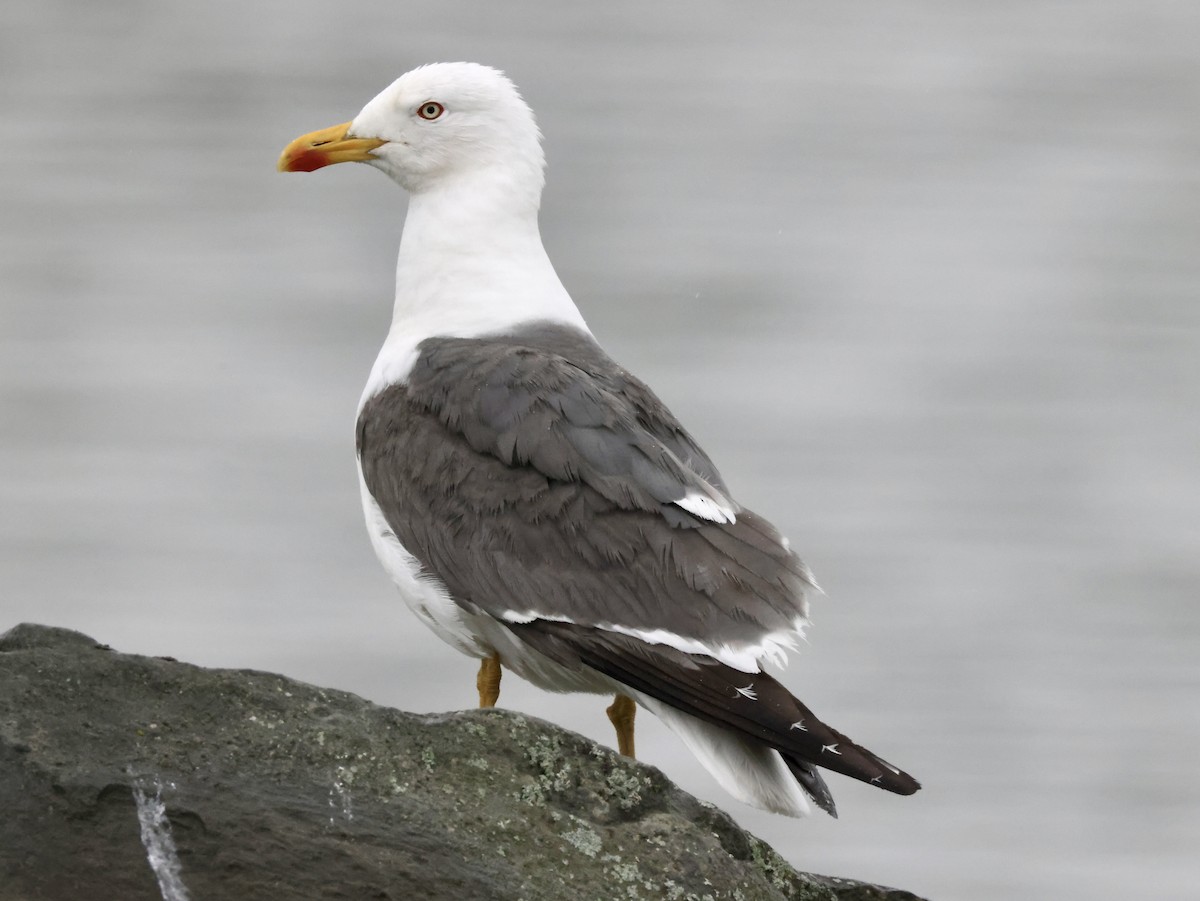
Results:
[342, 780]
[159, 845]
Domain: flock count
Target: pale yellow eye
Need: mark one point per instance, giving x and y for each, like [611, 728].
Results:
[431, 109]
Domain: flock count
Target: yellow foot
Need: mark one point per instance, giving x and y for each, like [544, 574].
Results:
[488, 681]
[621, 714]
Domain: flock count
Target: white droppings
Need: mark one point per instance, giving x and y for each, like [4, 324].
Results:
[340, 787]
[158, 842]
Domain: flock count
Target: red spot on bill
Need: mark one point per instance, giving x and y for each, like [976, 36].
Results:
[307, 161]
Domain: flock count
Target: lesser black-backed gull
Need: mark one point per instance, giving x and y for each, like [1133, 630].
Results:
[537, 505]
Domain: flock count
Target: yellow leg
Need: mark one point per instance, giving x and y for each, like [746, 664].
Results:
[621, 714]
[488, 681]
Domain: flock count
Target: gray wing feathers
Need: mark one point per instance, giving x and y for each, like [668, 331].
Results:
[529, 484]
[526, 406]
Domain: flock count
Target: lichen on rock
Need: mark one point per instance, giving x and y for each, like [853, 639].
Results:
[273, 789]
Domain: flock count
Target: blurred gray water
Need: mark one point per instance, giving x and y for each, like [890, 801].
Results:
[921, 277]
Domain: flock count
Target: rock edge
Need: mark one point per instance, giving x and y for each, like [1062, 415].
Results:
[133, 777]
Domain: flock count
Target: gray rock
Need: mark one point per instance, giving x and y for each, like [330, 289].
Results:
[130, 777]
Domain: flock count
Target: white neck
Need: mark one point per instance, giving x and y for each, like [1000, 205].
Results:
[471, 263]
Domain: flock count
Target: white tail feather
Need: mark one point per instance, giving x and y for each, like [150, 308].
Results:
[748, 770]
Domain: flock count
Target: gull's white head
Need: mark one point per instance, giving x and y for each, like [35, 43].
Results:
[433, 128]
[461, 140]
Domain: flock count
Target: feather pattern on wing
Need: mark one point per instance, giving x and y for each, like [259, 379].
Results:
[540, 486]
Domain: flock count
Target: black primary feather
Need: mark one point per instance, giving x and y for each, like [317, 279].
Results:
[755, 705]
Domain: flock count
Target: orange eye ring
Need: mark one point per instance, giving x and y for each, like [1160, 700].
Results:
[430, 110]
